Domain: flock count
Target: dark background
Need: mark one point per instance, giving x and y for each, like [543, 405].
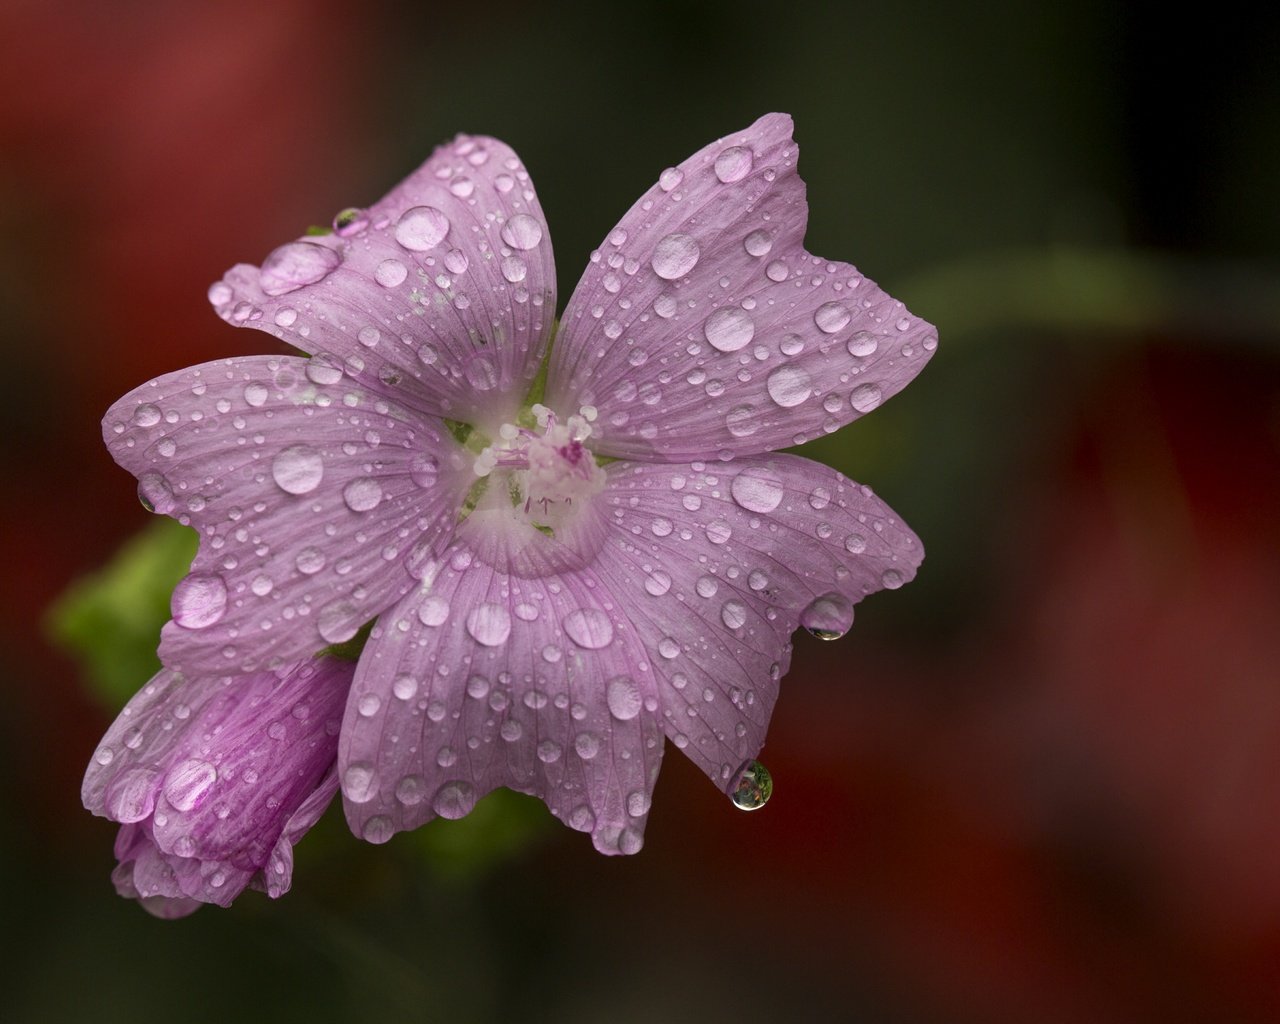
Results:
[1039, 784]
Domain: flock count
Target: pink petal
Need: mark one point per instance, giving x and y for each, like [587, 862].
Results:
[309, 492]
[702, 327]
[216, 779]
[444, 289]
[484, 679]
[715, 567]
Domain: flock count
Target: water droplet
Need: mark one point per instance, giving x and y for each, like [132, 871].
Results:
[828, 617]
[337, 622]
[378, 829]
[261, 585]
[390, 273]
[831, 317]
[706, 586]
[454, 799]
[757, 489]
[255, 394]
[549, 751]
[489, 624]
[368, 705]
[462, 186]
[657, 583]
[411, 790]
[752, 788]
[729, 329]
[581, 818]
[360, 782]
[638, 803]
[424, 470]
[421, 228]
[456, 262]
[866, 397]
[146, 415]
[350, 221]
[734, 614]
[188, 783]
[131, 796]
[718, 532]
[309, 561]
[789, 386]
[199, 600]
[733, 164]
[862, 344]
[674, 256]
[363, 494]
[758, 243]
[623, 697]
[670, 178]
[522, 232]
[514, 269]
[155, 493]
[433, 610]
[297, 469]
[741, 421]
[286, 316]
[368, 336]
[892, 579]
[482, 373]
[405, 687]
[295, 265]
[589, 628]
[220, 293]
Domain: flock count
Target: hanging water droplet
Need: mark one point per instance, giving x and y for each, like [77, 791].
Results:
[828, 617]
[454, 799]
[296, 265]
[753, 787]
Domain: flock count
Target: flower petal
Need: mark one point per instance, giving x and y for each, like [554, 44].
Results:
[216, 779]
[309, 492]
[715, 567]
[481, 679]
[702, 326]
[446, 286]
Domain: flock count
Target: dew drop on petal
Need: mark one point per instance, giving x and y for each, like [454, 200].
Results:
[390, 272]
[670, 178]
[131, 795]
[514, 269]
[674, 256]
[454, 799]
[146, 415]
[309, 561]
[657, 583]
[295, 265]
[752, 787]
[734, 614]
[866, 397]
[623, 697]
[155, 493]
[378, 829]
[589, 628]
[433, 610]
[789, 386]
[199, 600]
[188, 783]
[757, 489]
[892, 579]
[758, 243]
[297, 469]
[862, 344]
[831, 317]
[421, 228]
[733, 164]
[729, 329]
[742, 421]
[489, 624]
[360, 782]
[522, 232]
[338, 622]
[828, 617]
[424, 470]
[363, 494]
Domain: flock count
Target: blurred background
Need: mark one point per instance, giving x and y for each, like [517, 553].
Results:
[1042, 783]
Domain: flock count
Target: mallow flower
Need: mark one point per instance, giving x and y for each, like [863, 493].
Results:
[213, 780]
[576, 537]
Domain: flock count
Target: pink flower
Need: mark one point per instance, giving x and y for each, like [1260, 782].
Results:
[564, 569]
[215, 780]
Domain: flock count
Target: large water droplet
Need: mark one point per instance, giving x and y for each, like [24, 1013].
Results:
[828, 617]
[297, 469]
[295, 265]
[623, 697]
[831, 317]
[752, 787]
[729, 329]
[670, 178]
[421, 228]
[758, 243]
[187, 783]
[454, 799]
[589, 628]
[360, 782]
[131, 796]
[789, 386]
[337, 622]
[734, 614]
[757, 489]
[363, 494]
[733, 164]
[489, 624]
[866, 397]
[199, 600]
[674, 256]
[522, 232]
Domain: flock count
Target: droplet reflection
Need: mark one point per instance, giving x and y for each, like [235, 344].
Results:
[753, 788]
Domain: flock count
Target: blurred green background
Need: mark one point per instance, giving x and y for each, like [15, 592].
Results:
[1039, 784]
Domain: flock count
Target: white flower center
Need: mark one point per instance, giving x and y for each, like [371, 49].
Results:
[548, 473]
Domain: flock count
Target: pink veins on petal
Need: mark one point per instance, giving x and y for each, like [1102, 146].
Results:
[545, 617]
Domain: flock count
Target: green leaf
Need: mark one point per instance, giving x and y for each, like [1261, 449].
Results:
[502, 825]
[111, 619]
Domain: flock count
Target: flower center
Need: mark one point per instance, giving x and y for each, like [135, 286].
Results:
[547, 473]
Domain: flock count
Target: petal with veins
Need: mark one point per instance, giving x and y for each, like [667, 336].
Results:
[702, 327]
